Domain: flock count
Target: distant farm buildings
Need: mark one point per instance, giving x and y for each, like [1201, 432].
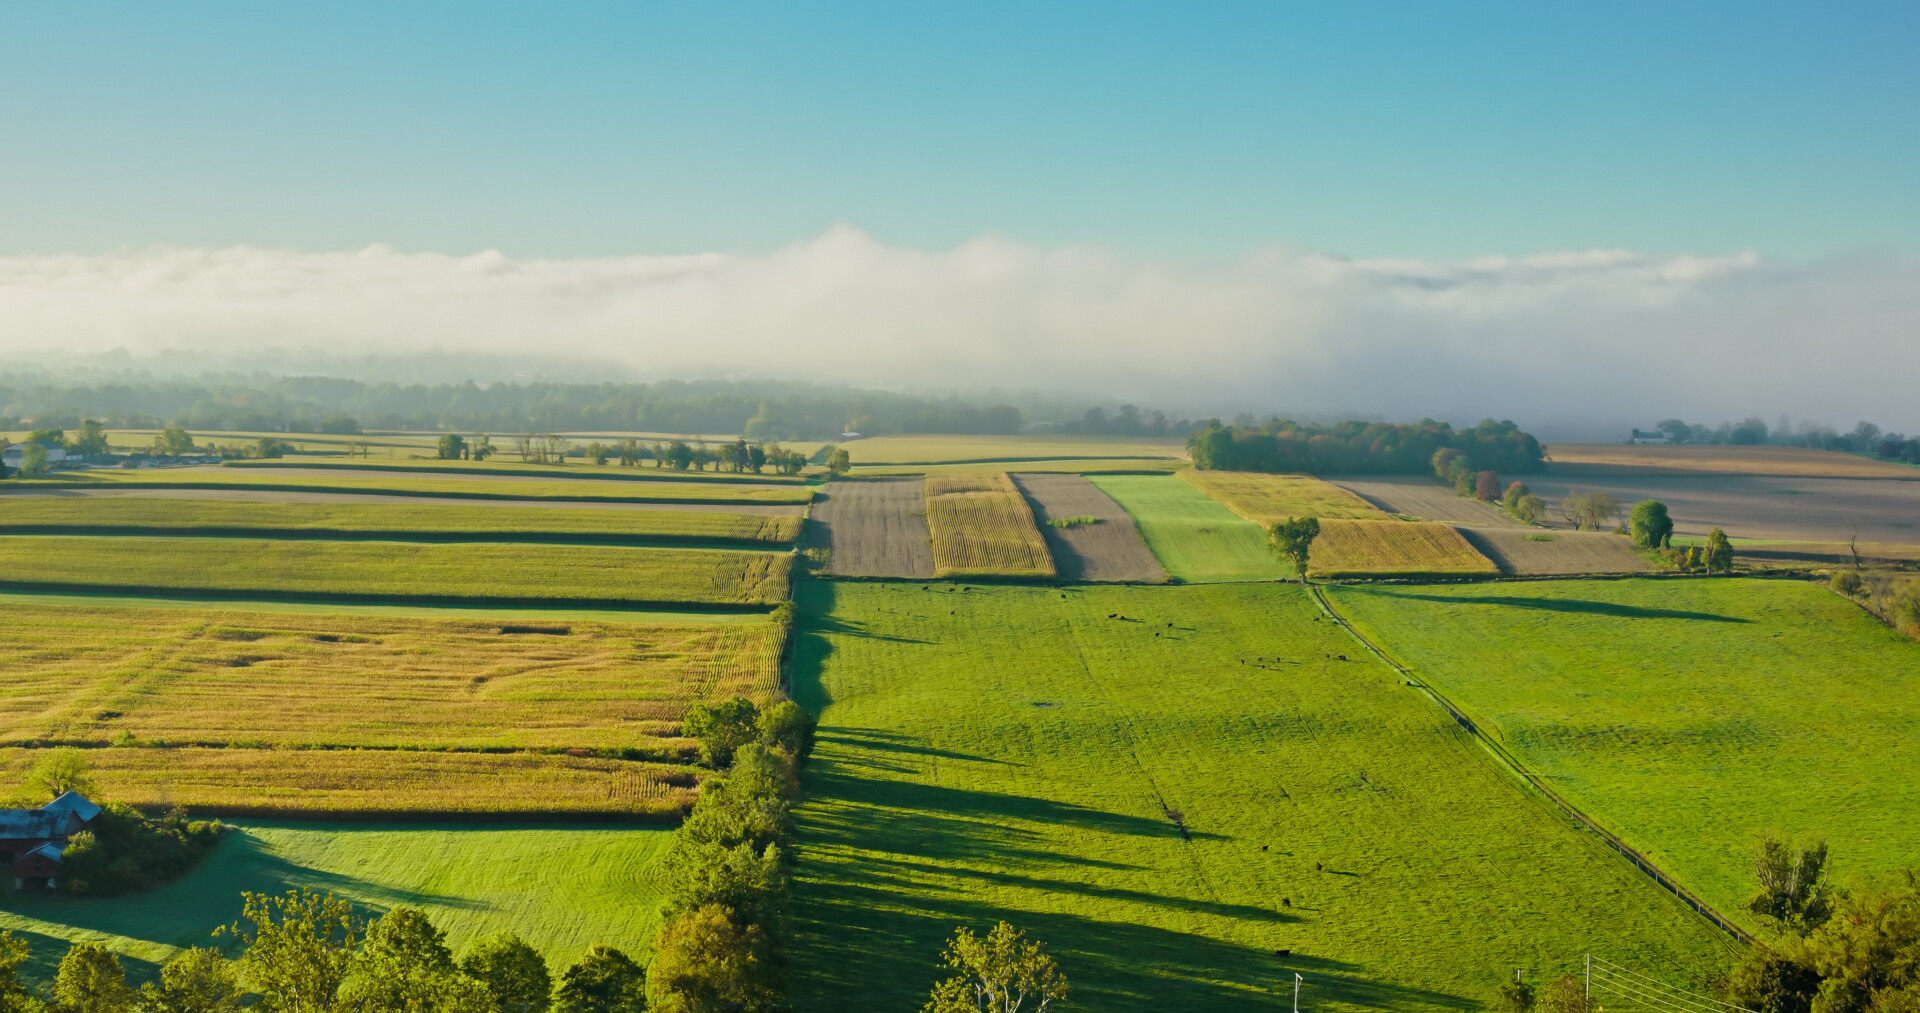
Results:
[32, 840]
[1656, 436]
[13, 455]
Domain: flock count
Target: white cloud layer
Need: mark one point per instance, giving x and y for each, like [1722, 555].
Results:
[1553, 340]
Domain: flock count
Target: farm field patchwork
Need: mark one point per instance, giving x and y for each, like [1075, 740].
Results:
[247, 494]
[1087, 533]
[1426, 499]
[1194, 537]
[982, 527]
[403, 484]
[1574, 460]
[46, 514]
[1067, 466]
[876, 528]
[562, 888]
[397, 570]
[1691, 717]
[922, 450]
[573, 471]
[1533, 552]
[1269, 499]
[1169, 799]
[1762, 507]
[1393, 547]
[496, 614]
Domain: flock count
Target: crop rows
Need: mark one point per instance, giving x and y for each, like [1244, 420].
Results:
[982, 526]
[404, 484]
[1404, 548]
[1269, 499]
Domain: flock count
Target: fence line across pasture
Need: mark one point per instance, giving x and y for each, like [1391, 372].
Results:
[1612, 840]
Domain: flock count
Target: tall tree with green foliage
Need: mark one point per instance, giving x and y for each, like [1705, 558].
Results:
[452, 447]
[173, 441]
[706, 960]
[15, 996]
[92, 440]
[1794, 893]
[91, 980]
[61, 770]
[1649, 524]
[1293, 540]
[404, 966]
[997, 974]
[721, 727]
[300, 948]
[514, 974]
[604, 981]
[199, 980]
[33, 461]
[839, 462]
[1719, 552]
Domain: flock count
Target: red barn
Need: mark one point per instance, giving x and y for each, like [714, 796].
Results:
[32, 840]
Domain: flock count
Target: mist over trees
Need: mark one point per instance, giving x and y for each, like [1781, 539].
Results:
[1283, 445]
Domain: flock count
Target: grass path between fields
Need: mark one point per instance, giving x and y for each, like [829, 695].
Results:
[1169, 787]
[562, 888]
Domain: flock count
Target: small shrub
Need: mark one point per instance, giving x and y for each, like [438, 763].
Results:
[1848, 582]
[1071, 522]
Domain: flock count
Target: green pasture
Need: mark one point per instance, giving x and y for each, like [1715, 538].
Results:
[1689, 716]
[1021, 753]
[117, 515]
[562, 888]
[403, 484]
[1196, 538]
[440, 573]
[573, 469]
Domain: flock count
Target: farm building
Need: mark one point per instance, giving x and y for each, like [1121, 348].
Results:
[13, 455]
[32, 840]
[1655, 436]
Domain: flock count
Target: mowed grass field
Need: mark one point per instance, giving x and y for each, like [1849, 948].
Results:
[1356, 548]
[1168, 799]
[1690, 716]
[561, 888]
[1194, 537]
[440, 520]
[398, 570]
[1269, 499]
[919, 450]
[404, 484]
[982, 527]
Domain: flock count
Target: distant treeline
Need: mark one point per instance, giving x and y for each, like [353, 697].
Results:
[1864, 437]
[1383, 448]
[321, 404]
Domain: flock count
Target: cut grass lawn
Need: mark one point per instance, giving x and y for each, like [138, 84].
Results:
[1353, 548]
[1691, 717]
[982, 527]
[1170, 798]
[570, 471]
[439, 521]
[561, 888]
[1194, 537]
[94, 675]
[1269, 499]
[397, 570]
[403, 484]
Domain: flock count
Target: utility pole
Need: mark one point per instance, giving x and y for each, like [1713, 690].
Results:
[1589, 981]
[1296, 991]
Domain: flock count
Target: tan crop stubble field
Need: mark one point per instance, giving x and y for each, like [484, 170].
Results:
[1514, 547]
[236, 711]
[982, 527]
[1110, 548]
[1359, 548]
[876, 528]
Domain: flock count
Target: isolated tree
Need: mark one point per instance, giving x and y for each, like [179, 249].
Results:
[300, 948]
[679, 455]
[1794, 893]
[722, 727]
[199, 980]
[452, 447]
[90, 980]
[597, 452]
[527, 447]
[1000, 973]
[1649, 524]
[1486, 487]
[480, 446]
[839, 462]
[1293, 540]
[1719, 552]
[604, 981]
[1513, 494]
[33, 461]
[557, 447]
[60, 771]
[92, 441]
[514, 974]
[1530, 508]
[1589, 510]
[756, 458]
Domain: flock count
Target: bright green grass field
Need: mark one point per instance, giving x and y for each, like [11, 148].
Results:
[398, 570]
[1196, 538]
[1011, 752]
[561, 889]
[1690, 716]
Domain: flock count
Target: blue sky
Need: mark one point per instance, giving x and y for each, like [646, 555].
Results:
[1183, 131]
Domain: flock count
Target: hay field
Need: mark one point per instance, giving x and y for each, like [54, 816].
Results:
[981, 526]
[931, 450]
[1023, 758]
[562, 888]
[1269, 499]
[397, 570]
[1568, 460]
[504, 487]
[1390, 547]
[96, 675]
[1690, 716]
[1192, 535]
[573, 470]
[401, 520]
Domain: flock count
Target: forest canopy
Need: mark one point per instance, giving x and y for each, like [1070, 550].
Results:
[1381, 448]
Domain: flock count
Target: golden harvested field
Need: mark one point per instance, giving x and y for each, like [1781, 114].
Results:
[402, 520]
[982, 526]
[917, 450]
[397, 570]
[368, 782]
[1393, 547]
[402, 483]
[1269, 499]
[160, 676]
[1577, 459]
[496, 468]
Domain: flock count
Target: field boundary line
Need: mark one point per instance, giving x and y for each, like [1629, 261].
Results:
[1512, 763]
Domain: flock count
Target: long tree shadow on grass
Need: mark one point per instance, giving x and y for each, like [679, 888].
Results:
[894, 742]
[1601, 608]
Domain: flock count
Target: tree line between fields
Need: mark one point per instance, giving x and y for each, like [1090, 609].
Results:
[1864, 438]
[1381, 448]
